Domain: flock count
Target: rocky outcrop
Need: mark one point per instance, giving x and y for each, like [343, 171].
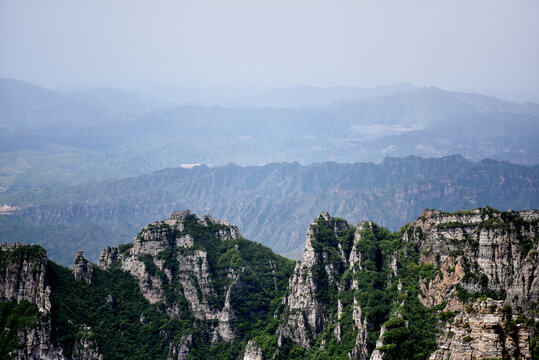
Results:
[86, 348]
[306, 314]
[145, 261]
[462, 256]
[498, 250]
[253, 351]
[82, 269]
[447, 286]
[486, 253]
[360, 350]
[378, 353]
[23, 276]
[180, 351]
[321, 280]
[108, 256]
[486, 330]
[37, 343]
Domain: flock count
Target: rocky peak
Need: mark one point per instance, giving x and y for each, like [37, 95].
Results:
[314, 278]
[24, 278]
[175, 251]
[23, 275]
[82, 269]
[253, 351]
[180, 215]
[443, 261]
[108, 256]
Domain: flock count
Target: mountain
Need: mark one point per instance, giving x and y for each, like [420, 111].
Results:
[23, 105]
[271, 204]
[446, 286]
[49, 139]
[297, 96]
[117, 102]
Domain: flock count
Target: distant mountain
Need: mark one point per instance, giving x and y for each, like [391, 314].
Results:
[54, 139]
[23, 104]
[116, 101]
[297, 96]
[271, 204]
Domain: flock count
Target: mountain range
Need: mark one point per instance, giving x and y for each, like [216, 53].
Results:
[50, 138]
[271, 204]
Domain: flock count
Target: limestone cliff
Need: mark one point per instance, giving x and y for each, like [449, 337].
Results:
[487, 265]
[253, 351]
[24, 275]
[197, 268]
[443, 287]
[321, 298]
[172, 240]
[24, 283]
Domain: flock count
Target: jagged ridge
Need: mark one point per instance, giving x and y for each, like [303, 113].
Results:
[447, 286]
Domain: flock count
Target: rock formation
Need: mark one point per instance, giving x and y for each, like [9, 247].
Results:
[145, 262]
[469, 264]
[253, 351]
[82, 269]
[457, 285]
[24, 277]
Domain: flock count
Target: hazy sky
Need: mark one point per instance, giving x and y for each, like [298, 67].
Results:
[488, 46]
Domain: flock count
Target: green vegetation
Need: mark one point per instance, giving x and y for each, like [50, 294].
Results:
[124, 248]
[397, 340]
[15, 318]
[26, 252]
[125, 325]
[113, 307]
[409, 336]
[447, 316]
[465, 296]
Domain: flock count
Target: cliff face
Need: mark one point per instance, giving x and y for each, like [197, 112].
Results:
[447, 286]
[314, 305]
[324, 308]
[25, 289]
[23, 274]
[487, 276]
[490, 250]
[162, 243]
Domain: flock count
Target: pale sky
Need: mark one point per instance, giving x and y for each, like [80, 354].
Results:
[487, 46]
